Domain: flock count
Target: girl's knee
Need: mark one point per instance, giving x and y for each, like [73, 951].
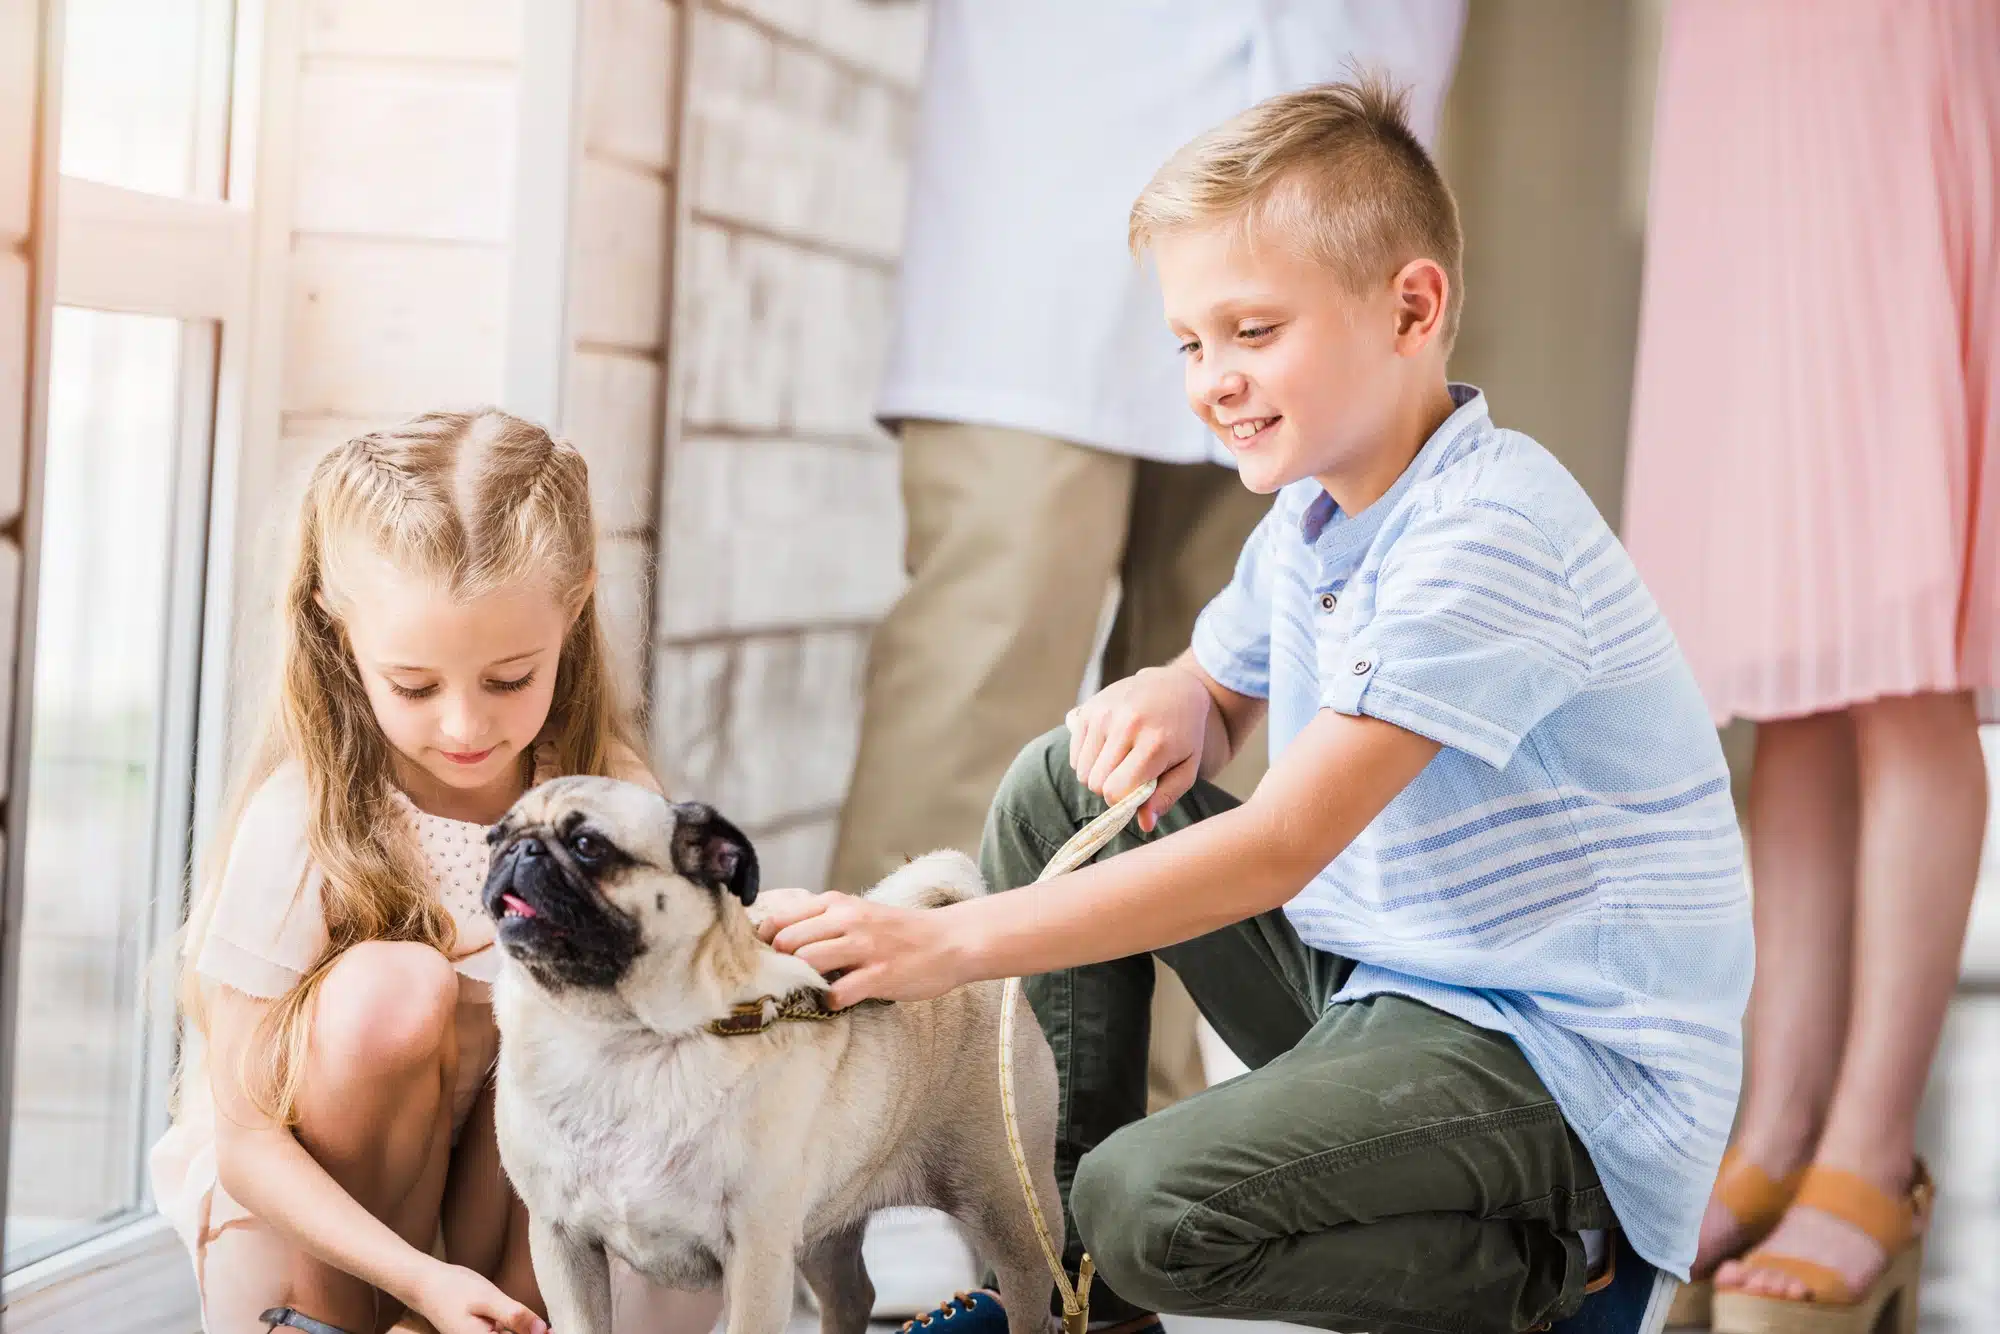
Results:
[385, 1007]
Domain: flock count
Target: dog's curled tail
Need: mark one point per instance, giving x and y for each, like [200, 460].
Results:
[932, 881]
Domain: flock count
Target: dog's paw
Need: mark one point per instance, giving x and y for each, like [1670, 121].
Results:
[932, 881]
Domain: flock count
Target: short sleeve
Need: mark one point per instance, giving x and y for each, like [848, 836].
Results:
[1475, 634]
[1232, 636]
[268, 929]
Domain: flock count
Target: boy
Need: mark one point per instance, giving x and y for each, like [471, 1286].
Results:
[1481, 934]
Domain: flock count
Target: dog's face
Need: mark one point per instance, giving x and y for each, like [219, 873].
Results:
[588, 874]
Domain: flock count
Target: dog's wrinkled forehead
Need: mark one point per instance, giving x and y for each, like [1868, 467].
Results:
[636, 820]
[640, 827]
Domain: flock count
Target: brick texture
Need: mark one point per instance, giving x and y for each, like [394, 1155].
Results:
[781, 521]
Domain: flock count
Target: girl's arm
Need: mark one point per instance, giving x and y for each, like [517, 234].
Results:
[265, 1169]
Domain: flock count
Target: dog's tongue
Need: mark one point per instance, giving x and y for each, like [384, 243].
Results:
[514, 904]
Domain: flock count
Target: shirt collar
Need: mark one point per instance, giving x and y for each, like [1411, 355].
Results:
[1333, 534]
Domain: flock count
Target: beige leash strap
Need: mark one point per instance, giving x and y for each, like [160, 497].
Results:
[1086, 843]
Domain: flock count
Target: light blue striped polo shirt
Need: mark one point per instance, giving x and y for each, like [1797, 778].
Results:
[1568, 869]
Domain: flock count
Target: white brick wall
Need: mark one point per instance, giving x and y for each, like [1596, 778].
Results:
[621, 223]
[781, 523]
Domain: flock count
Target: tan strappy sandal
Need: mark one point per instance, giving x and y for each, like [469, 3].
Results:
[1757, 1200]
[1889, 1304]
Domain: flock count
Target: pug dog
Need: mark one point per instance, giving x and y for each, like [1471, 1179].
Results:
[630, 1128]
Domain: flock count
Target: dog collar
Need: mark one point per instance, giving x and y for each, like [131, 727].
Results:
[807, 1005]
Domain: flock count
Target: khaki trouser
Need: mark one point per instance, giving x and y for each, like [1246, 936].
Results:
[1013, 542]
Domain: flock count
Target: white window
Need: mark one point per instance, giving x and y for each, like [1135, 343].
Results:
[150, 364]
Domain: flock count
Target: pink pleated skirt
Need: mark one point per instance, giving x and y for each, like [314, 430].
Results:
[1813, 491]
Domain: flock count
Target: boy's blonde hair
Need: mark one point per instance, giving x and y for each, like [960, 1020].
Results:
[473, 501]
[1333, 169]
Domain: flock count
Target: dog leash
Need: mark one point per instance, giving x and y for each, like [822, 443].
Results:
[1086, 843]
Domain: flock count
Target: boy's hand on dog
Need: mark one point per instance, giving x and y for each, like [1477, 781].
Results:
[1151, 725]
[881, 951]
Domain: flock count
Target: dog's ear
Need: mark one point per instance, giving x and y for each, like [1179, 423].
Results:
[714, 853]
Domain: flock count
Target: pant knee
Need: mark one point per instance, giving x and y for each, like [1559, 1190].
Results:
[1034, 776]
[1130, 1218]
[1031, 797]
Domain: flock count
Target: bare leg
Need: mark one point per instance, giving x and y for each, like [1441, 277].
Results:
[1923, 817]
[485, 1223]
[376, 1110]
[1803, 811]
[644, 1307]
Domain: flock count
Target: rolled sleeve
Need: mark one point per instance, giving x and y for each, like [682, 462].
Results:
[1232, 636]
[1475, 635]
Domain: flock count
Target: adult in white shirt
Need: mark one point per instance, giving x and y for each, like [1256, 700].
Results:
[1046, 440]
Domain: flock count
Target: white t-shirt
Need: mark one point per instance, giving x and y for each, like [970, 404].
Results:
[1018, 303]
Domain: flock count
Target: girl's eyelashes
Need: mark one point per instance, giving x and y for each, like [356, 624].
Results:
[1190, 347]
[502, 687]
[1252, 333]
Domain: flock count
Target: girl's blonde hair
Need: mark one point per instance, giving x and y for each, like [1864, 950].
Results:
[475, 501]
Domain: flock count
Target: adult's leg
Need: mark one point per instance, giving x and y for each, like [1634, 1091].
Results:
[1189, 523]
[1012, 540]
[1923, 818]
[1803, 814]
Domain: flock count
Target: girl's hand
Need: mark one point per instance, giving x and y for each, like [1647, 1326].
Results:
[459, 1301]
[1152, 725]
[883, 952]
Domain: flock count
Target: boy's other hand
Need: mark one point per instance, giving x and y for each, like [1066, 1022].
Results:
[1151, 725]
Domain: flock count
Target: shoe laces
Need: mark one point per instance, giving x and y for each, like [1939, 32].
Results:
[960, 1301]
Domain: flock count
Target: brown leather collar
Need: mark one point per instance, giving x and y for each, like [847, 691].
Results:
[806, 1005]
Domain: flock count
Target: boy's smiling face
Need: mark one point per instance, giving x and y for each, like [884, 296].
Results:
[1297, 375]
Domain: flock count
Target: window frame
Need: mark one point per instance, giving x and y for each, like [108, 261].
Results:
[215, 259]
[134, 1276]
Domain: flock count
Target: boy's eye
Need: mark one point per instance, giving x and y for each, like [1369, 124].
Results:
[413, 692]
[1256, 331]
[509, 687]
[1190, 347]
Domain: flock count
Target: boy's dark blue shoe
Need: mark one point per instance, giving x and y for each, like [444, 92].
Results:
[966, 1313]
[981, 1313]
[1630, 1297]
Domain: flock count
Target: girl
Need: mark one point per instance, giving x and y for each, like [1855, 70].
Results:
[440, 653]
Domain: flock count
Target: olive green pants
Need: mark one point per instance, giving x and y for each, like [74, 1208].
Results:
[1384, 1166]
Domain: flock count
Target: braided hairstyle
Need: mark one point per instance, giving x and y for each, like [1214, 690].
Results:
[473, 501]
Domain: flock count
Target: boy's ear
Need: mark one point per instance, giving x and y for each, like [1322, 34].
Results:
[1422, 290]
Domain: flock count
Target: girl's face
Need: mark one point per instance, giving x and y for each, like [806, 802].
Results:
[460, 688]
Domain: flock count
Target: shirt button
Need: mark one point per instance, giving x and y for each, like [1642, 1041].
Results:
[1361, 666]
[1327, 601]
